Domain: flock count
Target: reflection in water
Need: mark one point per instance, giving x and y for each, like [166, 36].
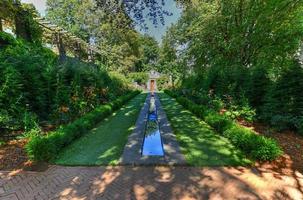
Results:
[152, 145]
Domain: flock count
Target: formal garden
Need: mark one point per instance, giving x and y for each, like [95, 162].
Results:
[84, 85]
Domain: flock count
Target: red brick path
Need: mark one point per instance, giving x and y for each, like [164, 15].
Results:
[150, 183]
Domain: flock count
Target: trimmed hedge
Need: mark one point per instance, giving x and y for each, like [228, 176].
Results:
[255, 146]
[45, 148]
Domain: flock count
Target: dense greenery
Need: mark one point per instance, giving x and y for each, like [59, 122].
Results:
[21, 17]
[35, 87]
[45, 148]
[241, 53]
[255, 146]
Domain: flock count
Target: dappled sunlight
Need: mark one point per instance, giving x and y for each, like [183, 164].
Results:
[141, 192]
[199, 143]
[165, 174]
[155, 183]
[105, 143]
[99, 185]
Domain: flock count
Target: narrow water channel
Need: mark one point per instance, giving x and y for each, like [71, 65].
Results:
[152, 144]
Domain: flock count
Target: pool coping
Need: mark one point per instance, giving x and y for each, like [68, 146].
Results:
[132, 150]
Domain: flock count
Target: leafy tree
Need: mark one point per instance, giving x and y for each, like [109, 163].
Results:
[239, 50]
[111, 30]
[149, 54]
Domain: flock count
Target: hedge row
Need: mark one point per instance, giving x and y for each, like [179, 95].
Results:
[45, 148]
[255, 146]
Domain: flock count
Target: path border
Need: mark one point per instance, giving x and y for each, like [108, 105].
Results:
[132, 150]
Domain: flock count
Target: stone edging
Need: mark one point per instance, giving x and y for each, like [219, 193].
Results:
[132, 150]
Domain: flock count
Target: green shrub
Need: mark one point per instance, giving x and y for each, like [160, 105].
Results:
[140, 77]
[268, 149]
[55, 92]
[45, 148]
[284, 100]
[282, 122]
[245, 112]
[163, 82]
[219, 122]
[6, 39]
[299, 125]
[256, 146]
[217, 104]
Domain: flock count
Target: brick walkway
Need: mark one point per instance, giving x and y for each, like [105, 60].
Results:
[150, 183]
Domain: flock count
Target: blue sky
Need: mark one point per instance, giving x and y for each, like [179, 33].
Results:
[159, 31]
[156, 32]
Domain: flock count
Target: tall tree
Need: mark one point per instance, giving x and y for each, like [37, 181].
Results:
[149, 54]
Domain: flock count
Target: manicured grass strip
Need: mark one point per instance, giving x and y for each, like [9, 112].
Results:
[199, 143]
[46, 147]
[104, 144]
[255, 146]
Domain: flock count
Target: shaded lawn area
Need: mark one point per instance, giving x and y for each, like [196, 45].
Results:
[104, 144]
[199, 143]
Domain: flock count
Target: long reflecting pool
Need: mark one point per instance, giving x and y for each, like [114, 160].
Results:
[152, 144]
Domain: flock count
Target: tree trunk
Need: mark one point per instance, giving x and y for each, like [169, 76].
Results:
[22, 26]
[173, 81]
[61, 49]
[1, 27]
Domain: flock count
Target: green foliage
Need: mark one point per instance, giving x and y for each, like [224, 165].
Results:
[26, 13]
[283, 106]
[199, 142]
[6, 39]
[45, 148]
[140, 77]
[149, 54]
[30, 75]
[2, 143]
[241, 56]
[219, 122]
[241, 112]
[163, 82]
[112, 29]
[30, 121]
[255, 146]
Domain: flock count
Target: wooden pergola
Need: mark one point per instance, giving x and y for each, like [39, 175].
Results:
[77, 43]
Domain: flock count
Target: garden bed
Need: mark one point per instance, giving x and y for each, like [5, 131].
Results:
[13, 155]
[291, 143]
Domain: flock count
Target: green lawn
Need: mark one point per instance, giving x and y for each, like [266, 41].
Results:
[199, 143]
[104, 144]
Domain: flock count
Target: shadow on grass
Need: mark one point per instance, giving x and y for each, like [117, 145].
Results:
[104, 144]
[199, 143]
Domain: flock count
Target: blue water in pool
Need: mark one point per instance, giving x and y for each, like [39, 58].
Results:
[152, 116]
[152, 145]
